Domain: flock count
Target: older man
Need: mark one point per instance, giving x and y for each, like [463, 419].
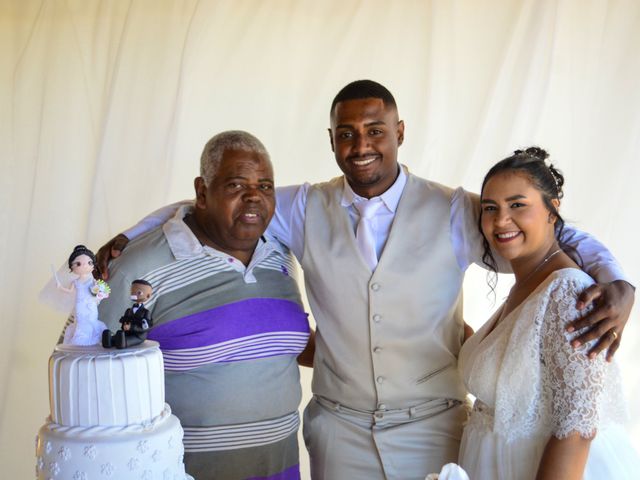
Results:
[227, 315]
[384, 254]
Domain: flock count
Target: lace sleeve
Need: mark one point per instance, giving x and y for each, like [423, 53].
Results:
[572, 385]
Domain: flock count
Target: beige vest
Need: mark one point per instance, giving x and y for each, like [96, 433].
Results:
[391, 339]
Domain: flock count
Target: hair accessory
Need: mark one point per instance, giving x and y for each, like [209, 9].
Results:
[535, 153]
[557, 178]
[540, 154]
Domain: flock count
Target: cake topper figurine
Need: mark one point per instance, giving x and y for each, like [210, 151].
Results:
[136, 320]
[87, 294]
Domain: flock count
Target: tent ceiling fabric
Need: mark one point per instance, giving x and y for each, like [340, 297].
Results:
[106, 107]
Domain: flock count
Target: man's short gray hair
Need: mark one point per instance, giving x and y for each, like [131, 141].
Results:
[229, 140]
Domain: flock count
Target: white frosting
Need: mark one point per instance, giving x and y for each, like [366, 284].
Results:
[91, 385]
[76, 453]
[108, 417]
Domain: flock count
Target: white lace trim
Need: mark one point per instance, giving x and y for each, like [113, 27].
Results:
[543, 385]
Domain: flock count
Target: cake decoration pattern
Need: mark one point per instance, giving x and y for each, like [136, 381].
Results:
[108, 417]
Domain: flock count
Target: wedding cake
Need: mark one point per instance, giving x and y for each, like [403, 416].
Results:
[108, 417]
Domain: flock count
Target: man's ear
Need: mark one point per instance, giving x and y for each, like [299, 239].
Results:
[331, 140]
[400, 132]
[201, 192]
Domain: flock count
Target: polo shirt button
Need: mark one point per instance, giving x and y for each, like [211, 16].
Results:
[375, 287]
[377, 318]
[377, 350]
[380, 380]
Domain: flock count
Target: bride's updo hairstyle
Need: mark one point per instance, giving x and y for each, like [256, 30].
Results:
[547, 179]
[81, 250]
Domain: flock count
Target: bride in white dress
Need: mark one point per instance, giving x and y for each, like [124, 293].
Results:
[87, 328]
[543, 409]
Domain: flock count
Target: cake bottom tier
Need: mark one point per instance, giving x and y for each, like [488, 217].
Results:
[152, 451]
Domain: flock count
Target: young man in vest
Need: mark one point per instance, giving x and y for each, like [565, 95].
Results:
[384, 254]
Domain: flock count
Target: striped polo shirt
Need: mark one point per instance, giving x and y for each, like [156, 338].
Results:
[229, 334]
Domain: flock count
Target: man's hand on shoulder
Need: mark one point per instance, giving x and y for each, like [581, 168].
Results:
[612, 306]
[110, 250]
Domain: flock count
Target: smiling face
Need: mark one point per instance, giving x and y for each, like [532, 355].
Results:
[233, 211]
[515, 221]
[365, 136]
[82, 265]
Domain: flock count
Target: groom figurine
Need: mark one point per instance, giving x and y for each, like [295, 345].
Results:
[136, 320]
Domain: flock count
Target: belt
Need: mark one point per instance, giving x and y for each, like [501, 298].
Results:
[421, 411]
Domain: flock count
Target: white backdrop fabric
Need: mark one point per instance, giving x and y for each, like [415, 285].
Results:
[106, 105]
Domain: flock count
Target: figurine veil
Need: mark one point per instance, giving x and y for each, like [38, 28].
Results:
[80, 294]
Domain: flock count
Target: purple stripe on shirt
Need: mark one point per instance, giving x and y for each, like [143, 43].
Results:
[227, 322]
[291, 473]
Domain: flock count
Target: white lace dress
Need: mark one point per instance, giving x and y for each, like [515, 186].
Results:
[529, 384]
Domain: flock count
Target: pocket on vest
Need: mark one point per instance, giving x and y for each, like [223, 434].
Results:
[433, 373]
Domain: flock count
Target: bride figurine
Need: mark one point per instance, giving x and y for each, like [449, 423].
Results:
[87, 292]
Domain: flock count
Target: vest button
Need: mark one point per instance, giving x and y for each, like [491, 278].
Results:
[380, 380]
[377, 318]
[382, 406]
[377, 350]
[375, 287]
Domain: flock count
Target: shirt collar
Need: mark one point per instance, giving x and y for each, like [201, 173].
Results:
[184, 244]
[390, 198]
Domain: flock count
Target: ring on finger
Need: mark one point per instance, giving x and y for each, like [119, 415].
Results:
[614, 334]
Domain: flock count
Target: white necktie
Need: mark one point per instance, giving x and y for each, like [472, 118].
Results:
[364, 233]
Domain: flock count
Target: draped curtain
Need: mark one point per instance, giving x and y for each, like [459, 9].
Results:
[106, 105]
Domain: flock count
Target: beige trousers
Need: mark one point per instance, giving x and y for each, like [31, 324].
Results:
[346, 444]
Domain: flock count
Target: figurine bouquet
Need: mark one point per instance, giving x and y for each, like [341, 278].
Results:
[100, 290]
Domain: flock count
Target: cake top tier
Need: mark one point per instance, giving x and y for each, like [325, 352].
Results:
[98, 350]
[91, 385]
